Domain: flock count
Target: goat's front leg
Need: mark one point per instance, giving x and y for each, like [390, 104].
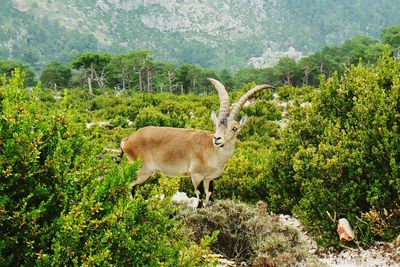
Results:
[196, 180]
[208, 188]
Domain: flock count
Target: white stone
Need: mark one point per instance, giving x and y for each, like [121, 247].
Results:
[182, 198]
[271, 56]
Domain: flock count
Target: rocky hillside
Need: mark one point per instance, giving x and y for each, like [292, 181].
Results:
[212, 33]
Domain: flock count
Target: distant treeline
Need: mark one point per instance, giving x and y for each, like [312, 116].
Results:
[138, 70]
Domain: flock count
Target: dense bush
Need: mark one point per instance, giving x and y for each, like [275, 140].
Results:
[107, 228]
[340, 156]
[245, 175]
[63, 202]
[287, 93]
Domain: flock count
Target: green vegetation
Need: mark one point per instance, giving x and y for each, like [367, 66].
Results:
[331, 151]
[8, 66]
[391, 36]
[227, 36]
[63, 202]
[56, 75]
[344, 154]
[137, 70]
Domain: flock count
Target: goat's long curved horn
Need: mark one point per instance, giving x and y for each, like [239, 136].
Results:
[224, 105]
[249, 94]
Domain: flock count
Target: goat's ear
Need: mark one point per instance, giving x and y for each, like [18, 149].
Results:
[242, 122]
[214, 118]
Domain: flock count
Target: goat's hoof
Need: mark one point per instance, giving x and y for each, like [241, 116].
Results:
[207, 204]
[200, 204]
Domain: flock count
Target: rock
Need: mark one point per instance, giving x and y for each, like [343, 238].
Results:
[182, 198]
[345, 231]
[105, 124]
[270, 57]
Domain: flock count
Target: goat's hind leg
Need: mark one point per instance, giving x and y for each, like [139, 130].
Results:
[142, 175]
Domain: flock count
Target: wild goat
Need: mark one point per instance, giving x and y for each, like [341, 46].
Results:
[202, 155]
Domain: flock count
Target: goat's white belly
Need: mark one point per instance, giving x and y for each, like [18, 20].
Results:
[216, 174]
[176, 170]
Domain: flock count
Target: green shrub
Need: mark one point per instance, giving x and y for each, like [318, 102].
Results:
[64, 202]
[245, 174]
[119, 121]
[289, 92]
[200, 119]
[343, 155]
[260, 130]
[107, 228]
[39, 152]
[151, 116]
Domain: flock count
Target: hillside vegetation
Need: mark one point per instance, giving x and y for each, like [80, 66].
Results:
[138, 70]
[63, 199]
[218, 34]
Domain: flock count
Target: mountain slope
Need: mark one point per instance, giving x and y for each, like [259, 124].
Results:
[212, 33]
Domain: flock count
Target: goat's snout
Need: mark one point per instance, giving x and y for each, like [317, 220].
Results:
[217, 138]
[218, 141]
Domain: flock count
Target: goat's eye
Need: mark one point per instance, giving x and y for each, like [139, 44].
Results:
[234, 129]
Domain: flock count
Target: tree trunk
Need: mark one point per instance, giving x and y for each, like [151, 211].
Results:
[170, 81]
[194, 85]
[140, 80]
[123, 84]
[100, 78]
[149, 85]
[90, 86]
[307, 71]
[90, 79]
[288, 78]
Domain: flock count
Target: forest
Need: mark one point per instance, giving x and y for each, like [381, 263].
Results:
[138, 71]
[324, 144]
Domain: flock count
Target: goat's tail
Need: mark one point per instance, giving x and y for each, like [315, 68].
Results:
[122, 152]
[120, 156]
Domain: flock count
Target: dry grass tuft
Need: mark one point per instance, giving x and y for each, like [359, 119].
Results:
[248, 234]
